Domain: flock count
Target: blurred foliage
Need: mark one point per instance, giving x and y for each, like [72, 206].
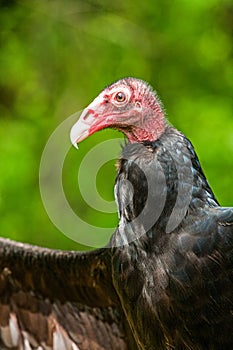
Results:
[55, 57]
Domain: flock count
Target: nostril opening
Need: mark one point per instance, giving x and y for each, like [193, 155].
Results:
[88, 112]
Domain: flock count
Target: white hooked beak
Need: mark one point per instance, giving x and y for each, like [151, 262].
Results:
[86, 123]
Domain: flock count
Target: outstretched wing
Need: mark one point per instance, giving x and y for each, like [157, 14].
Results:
[58, 300]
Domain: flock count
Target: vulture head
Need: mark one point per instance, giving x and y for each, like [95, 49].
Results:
[130, 106]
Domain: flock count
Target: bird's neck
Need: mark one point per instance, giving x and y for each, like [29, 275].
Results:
[149, 127]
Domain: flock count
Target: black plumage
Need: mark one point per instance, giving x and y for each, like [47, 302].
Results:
[165, 280]
[175, 287]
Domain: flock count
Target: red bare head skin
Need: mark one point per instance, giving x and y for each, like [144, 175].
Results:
[128, 105]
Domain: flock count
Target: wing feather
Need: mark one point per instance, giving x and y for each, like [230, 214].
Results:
[59, 300]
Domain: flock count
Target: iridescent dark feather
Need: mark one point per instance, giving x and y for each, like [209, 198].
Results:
[176, 287]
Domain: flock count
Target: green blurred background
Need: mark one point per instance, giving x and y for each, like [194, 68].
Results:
[56, 56]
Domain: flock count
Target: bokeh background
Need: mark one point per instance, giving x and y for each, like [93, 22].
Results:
[55, 57]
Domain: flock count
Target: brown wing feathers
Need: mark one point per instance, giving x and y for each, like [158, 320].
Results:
[58, 300]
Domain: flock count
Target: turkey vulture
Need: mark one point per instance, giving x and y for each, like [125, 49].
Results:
[164, 281]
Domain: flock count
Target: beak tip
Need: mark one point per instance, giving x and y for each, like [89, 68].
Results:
[73, 137]
[75, 145]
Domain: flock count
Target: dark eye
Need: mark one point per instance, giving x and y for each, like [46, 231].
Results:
[120, 97]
